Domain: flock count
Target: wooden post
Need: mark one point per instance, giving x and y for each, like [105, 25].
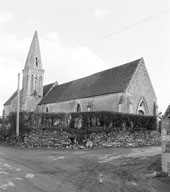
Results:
[18, 108]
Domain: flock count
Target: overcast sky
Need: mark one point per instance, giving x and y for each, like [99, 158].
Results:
[82, 37]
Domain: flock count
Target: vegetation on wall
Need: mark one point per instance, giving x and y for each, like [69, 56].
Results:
[112, 120]
[83, 123]
[61, 129]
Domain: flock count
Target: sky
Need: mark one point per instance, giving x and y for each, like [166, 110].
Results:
[81, 37]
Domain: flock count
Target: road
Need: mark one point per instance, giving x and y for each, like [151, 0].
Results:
[49, 170]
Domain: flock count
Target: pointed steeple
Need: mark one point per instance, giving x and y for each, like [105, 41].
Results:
[33, 60]
[33, 76]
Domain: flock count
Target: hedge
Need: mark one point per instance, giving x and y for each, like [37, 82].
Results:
[87, 122]
[31, 119]
[113, 120]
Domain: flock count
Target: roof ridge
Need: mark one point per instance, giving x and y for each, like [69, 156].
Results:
[102, 71]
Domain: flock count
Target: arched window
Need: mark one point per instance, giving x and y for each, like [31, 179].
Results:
[142, 108]
[36, 83]
[120, 103]
[130, 104]
[78, 109]
[32, 83]
[47, 110]
[26, 83]
[36, 62]
[90, 105]
[40, 85]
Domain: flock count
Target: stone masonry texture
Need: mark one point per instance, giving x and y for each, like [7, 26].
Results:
[165, 142]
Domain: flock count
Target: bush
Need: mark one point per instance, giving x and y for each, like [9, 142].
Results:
[113, 120]
[37, 119]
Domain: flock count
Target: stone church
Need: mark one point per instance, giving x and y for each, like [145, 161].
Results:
[126, 88]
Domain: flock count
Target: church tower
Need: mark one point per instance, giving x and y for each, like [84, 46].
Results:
[33, 76]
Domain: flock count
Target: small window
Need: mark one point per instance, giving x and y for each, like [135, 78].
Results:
[88, 108]
[78, 108]
[90, 105]
[40, 84]
[32, 84]
[36, 80]
[36, 61]
[47, 110]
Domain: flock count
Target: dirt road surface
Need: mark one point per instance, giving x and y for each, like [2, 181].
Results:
[92, 170]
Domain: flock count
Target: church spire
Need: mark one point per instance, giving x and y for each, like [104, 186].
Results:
[33, 60]
[33, 76]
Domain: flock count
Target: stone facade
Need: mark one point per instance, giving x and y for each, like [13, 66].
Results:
[98, 103]
[165, 142]
[141, 92]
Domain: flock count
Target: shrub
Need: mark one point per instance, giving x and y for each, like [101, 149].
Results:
[114, 120]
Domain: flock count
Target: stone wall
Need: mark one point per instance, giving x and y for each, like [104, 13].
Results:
[98, 103]
[165, 143]
[29, 103]
[141, 88]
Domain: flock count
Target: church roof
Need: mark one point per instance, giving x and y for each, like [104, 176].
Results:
[113, 80]
[46, 88]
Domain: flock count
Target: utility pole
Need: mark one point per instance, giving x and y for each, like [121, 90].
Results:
[18, 108]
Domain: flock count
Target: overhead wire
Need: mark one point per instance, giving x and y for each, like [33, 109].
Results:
[128, 27]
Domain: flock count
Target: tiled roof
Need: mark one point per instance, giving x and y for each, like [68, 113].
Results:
[113, 80]
[167, 112]
[46, 88]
